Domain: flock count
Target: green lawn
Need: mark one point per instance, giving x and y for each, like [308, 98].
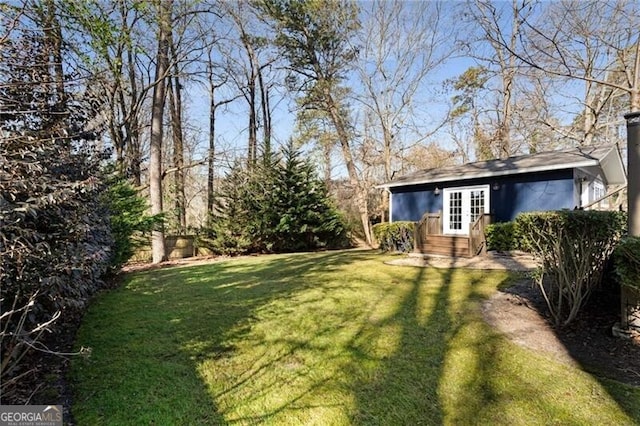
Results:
[333, 338]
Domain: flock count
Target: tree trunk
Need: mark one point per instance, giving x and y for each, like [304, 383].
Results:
[212, 148]
[633, 180]
[133, 142]
[157, 114]
[177, 188]
[53, 37]
[359, 192]
[254, 75]
[266, 118]
[253, 125]
[508, 76]
[175, 105]
[326, 148]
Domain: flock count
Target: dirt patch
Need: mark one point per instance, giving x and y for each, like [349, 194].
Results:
[512, 261]
[188, 261]
[521, 314]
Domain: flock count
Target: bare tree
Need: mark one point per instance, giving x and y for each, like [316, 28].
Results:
[581, 45]
[248, 71]
[214, 83]
[174, 93]
[400, 45]
[114, 33]
[585, 41]
[488, 21]
[598, 44]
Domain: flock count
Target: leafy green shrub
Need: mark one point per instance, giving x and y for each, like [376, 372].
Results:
[129, 220]
[502, 236]
[626, 259]
[55, 236]
[574, 247]
[395, 237]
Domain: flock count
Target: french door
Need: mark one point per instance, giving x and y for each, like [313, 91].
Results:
[462, 206]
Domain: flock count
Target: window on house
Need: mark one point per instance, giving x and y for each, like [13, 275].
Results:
[597, 192]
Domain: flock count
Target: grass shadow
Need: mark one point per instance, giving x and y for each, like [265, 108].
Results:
[409, 377]
[414, 376]
[331, 338]
[165, 332]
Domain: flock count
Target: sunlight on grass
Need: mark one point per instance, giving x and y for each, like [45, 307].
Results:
[330, 338]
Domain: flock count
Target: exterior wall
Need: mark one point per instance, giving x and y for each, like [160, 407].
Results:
[586, 179]
[411, 203]
[510, 195]
[532, 192]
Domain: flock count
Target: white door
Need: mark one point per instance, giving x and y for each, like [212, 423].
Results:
[462, 206]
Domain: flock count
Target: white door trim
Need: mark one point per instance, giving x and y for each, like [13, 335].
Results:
[457, 212]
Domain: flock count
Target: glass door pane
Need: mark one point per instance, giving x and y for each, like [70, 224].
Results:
[455, 211]
[476, 204]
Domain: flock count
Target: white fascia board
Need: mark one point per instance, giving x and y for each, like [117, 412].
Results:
[613, 168]
[489, 173]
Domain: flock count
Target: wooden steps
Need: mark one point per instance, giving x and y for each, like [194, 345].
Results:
[446, 245]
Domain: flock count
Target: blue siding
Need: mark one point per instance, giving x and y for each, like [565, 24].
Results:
[411, 205]
[516, 193]
[533, 192]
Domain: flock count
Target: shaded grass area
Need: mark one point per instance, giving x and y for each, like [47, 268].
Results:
[330, 338]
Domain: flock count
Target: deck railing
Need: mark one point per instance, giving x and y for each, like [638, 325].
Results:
[477, 241]
[430, 224]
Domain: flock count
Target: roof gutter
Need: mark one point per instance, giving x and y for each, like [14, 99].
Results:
[585, 163]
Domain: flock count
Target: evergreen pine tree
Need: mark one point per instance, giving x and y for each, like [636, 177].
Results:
[277, 206]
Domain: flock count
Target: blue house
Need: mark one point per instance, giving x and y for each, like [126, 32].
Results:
[453, 198]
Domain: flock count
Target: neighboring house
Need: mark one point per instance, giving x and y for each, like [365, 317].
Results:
[501, 189]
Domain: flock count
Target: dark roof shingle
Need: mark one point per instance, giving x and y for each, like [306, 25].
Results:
[543, 161]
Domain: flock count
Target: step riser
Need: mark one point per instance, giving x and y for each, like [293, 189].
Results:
[445, 245]
[445, 251]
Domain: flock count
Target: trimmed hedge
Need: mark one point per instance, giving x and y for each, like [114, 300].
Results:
[395, 237]
[626, 259]
[574, 248]
[503, 236]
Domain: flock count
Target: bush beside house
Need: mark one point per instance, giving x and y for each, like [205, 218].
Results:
[574, 248]
[627, 262]
[503, 237]
[394, 237]
[627, 267]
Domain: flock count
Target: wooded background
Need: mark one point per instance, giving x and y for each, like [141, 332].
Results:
[184, 90]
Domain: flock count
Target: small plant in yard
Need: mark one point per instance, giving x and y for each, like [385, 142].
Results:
[129, 219]
[574, 247]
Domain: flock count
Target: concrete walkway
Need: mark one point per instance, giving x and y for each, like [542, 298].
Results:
[512, 261]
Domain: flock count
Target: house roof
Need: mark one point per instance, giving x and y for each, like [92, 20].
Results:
[607, 157]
